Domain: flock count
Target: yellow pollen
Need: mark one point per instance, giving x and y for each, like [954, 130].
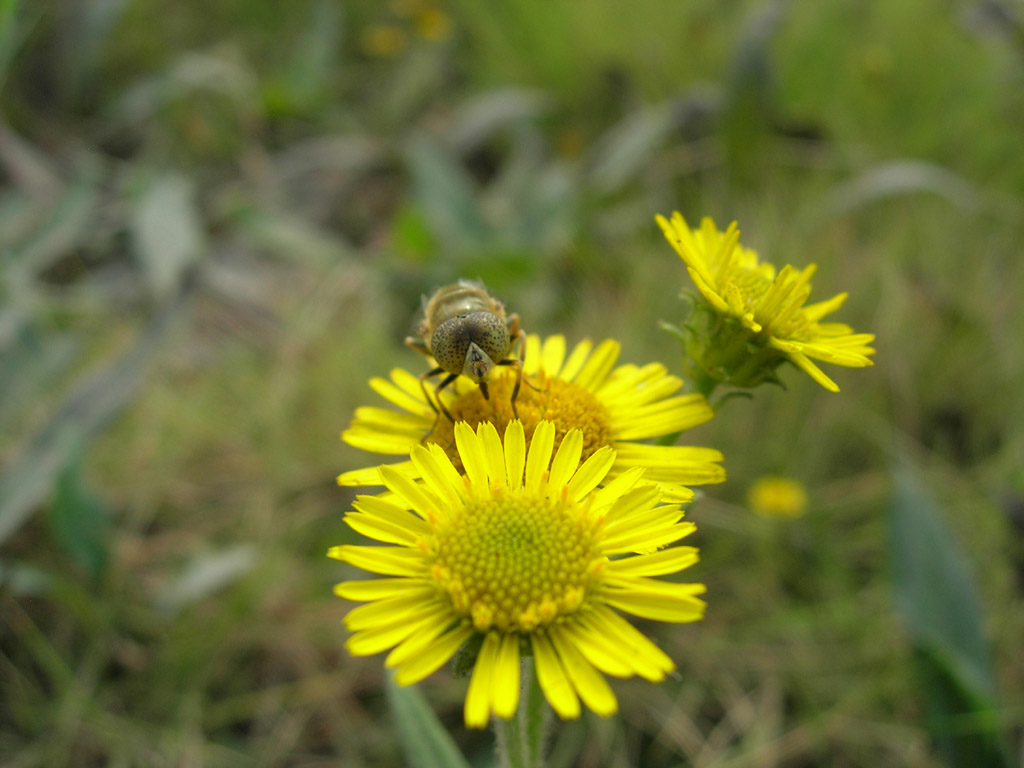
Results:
[516, 562]
[566, 404]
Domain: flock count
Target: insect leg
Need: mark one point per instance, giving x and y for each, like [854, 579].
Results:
[423, 385]
[412, 342]
[519, 380]
[437, 393]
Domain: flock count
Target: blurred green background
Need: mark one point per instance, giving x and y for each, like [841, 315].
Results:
[217, 219]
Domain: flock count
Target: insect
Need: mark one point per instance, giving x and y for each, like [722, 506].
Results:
[467, 333]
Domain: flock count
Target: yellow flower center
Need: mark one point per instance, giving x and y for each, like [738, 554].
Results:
[566, 404]
[752, 285]
[515, 561]
[790, 323]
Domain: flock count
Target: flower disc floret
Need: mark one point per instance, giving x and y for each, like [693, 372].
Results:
[516, 562]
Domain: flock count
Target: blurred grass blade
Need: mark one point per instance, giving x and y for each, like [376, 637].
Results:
[445, 193]
[206, 574]
[14, 29]
[89, 27]
[305, 82]
[630, 146]
[28, 363]
[901, 178]
[750, 107]
[30, 476]
[425, 741]
[483, 116]
[936, 598]
[167, 232]
[78, 520]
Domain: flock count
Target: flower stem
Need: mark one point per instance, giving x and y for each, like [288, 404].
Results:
[520, 740]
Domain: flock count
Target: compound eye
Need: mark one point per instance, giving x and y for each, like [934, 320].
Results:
[450, 343]
[490, 333]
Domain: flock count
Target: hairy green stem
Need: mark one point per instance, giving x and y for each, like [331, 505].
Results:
[520, 740]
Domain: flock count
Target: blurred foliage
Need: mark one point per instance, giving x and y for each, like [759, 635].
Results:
[217, 218]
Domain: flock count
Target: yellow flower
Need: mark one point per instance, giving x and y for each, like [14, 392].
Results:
[524, 552]
[384, 40]
[777, 497]
[613, 406]
[770, 319]
[433, 24]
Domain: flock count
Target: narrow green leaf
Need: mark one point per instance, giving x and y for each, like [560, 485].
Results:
[425, 741]
[936, 597]
[78, 521]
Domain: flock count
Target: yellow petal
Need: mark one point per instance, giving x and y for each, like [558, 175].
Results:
[577, 358]
[515, 454]
[506, 677]
[411, 403]
[553, 680]
[387, 561]
[599, 365]
[472, 455]
[539, 457]
[588, 682]
[567, 459]
[553, 354]
[433, 656]
[674, 607]
[493, 454]
[660, 563]
[591, 473]
[477, 709]
[371, 589]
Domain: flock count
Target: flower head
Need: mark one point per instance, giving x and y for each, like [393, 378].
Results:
[612, 406]
[777, 497]
[525, 552]
[759, 317]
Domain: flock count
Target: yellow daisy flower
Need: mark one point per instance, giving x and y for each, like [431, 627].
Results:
[523, 551]
[767, 308]
[615, 407]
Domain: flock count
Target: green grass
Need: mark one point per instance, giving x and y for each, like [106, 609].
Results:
[211, 637]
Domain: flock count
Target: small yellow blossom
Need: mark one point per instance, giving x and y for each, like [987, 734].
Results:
[754, 317]
[384, 40]
[777, 497]
[433, 24]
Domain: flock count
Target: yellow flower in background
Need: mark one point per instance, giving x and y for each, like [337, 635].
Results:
[525, 552]
[613, 407]
[777, 497]
[770, 319]
[384, 40]
[433, 24]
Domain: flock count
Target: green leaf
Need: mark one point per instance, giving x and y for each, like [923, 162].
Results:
[425, 741]
[78, 521]
[937, 599]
